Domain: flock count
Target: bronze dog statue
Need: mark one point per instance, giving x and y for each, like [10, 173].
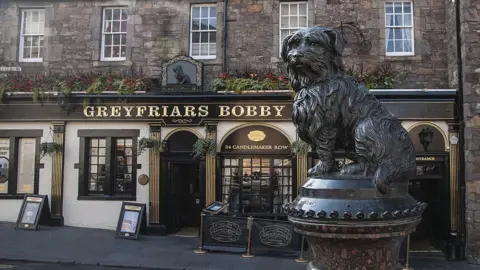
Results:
[332, 109]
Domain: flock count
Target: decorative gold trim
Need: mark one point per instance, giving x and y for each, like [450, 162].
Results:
[210, 169]
[434, 125]
[57, 169]
[302, 169]
[454, 186]
[256, 135]
[252, 124]
[154, 185]
[175, 130]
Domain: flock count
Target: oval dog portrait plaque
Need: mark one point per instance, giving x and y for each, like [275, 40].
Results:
[225, 231]
[275, 236]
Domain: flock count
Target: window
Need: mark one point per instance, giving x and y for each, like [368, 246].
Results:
[293, 16]
[399, 28]
[108, 164]
[203, 32]
[19, 162]
[32, 35]
[114, 34]
[257, 185]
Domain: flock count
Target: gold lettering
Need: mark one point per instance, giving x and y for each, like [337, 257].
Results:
[234, 111]
[426, 158]
[115, 111]
[176, 112]
[141, 110]
[279, 110]
[203, 111]
[102, 111]
[251, 110]
[89, 111]
[190, 111]
[153, 111]
[265, 111]
[165, 110]
[128, 110]
[224, 111]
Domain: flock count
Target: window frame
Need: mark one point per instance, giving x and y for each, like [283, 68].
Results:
[202, 57]
[23, 12]
[412, 27]
[103, 34]
[241, 157]
[83, 165]
[14, 136]
[289, 15]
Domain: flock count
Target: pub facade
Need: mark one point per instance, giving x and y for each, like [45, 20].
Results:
[165, 112]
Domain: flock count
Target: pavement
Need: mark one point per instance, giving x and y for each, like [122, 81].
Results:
[62, 248]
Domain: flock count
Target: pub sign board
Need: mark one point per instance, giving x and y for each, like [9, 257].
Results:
[34, 211]
[256, 139]
[132, 220]
[182, 73]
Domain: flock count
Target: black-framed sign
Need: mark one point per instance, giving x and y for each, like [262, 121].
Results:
[215, 208]
[132, 220]
[35, 211]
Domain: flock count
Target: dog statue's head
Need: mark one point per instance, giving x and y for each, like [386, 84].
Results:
[312, 54]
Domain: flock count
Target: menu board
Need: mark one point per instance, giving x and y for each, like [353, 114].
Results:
[34, 211]
[131, 221]
[26, 165]
[4, 164]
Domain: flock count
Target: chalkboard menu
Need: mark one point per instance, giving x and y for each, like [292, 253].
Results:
[34, 211]
[274, 235]
[225, 231]
[132, 220]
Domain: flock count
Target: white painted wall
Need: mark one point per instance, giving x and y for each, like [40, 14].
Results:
[96, 214]
[9, 208]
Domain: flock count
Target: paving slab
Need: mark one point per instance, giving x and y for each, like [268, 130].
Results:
[93, 247]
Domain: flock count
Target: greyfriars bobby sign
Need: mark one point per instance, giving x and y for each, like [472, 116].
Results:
[182, 73]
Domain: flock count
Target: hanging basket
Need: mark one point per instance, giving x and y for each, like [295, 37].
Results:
[300, 147]
[49, 148]
[148, 143]
[204, 146]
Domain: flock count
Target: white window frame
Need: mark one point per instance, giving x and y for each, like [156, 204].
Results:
[412, 27]
[22, 35]
[282, 4]
[200, 57]
[102, 50]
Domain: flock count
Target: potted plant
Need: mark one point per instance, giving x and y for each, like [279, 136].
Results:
[48, 148]
[204, 146]
[148, 143]
[300, 147]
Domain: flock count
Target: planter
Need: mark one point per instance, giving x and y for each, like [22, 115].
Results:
[255, 92]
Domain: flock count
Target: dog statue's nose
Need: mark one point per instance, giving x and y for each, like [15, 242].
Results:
[297, 55]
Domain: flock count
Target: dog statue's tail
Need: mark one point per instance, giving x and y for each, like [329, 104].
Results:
[392, 171]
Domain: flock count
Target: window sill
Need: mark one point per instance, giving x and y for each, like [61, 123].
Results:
[11, 197]
[106, 198]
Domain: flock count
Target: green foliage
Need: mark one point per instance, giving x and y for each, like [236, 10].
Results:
[204, 146]
[148, 143]
[380, 77]
[48, 148]
[300, 147]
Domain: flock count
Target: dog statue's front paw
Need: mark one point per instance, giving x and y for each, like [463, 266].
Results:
[352, 169]
[382, 188]
[320, 169]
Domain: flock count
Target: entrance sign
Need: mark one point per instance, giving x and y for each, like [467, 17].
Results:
[34, 211]
[132, 220]
[256, 139]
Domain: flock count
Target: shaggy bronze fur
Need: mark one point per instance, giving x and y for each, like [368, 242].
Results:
[332, 109]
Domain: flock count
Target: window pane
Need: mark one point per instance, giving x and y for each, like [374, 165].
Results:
[196, 12]
[204, 24]
[123, 39]
[124, 14]
[389, 7]
[398, 46]
[195, 49]
[116, 14]
[204, 12]
[123, 51]
[213, 12]
[34, 53]
[293, 9]
[4, 164]
[108, 14]
[212, 24]
[398, 20]
[123, 27]
[116, 26]
[115, 51]
[293, 22]
[26, 165]
[195, 37]
[302, 9]
[203, 49]
[407, 46]
[302, 21]
[97, 165]
[398, 33]
[284, 22]
[213, 37]
[108, 51]
[204, 37]
[390, 47]
[195, 24]
[397, 7]
[212, 49]
[407, 20]
[116, 39]
[407, 7]
[122, 170]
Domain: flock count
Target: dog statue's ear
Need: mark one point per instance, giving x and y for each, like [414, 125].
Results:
[284, 52]
[337, 40]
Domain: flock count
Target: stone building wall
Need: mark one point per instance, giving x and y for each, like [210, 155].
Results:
[159, 30]
[470, 34]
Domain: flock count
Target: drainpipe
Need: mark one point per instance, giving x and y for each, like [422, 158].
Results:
[461, 127]
[225, 15]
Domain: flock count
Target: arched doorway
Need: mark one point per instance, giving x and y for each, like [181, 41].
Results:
[182, 184]
[257, 172]
[431, 185]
